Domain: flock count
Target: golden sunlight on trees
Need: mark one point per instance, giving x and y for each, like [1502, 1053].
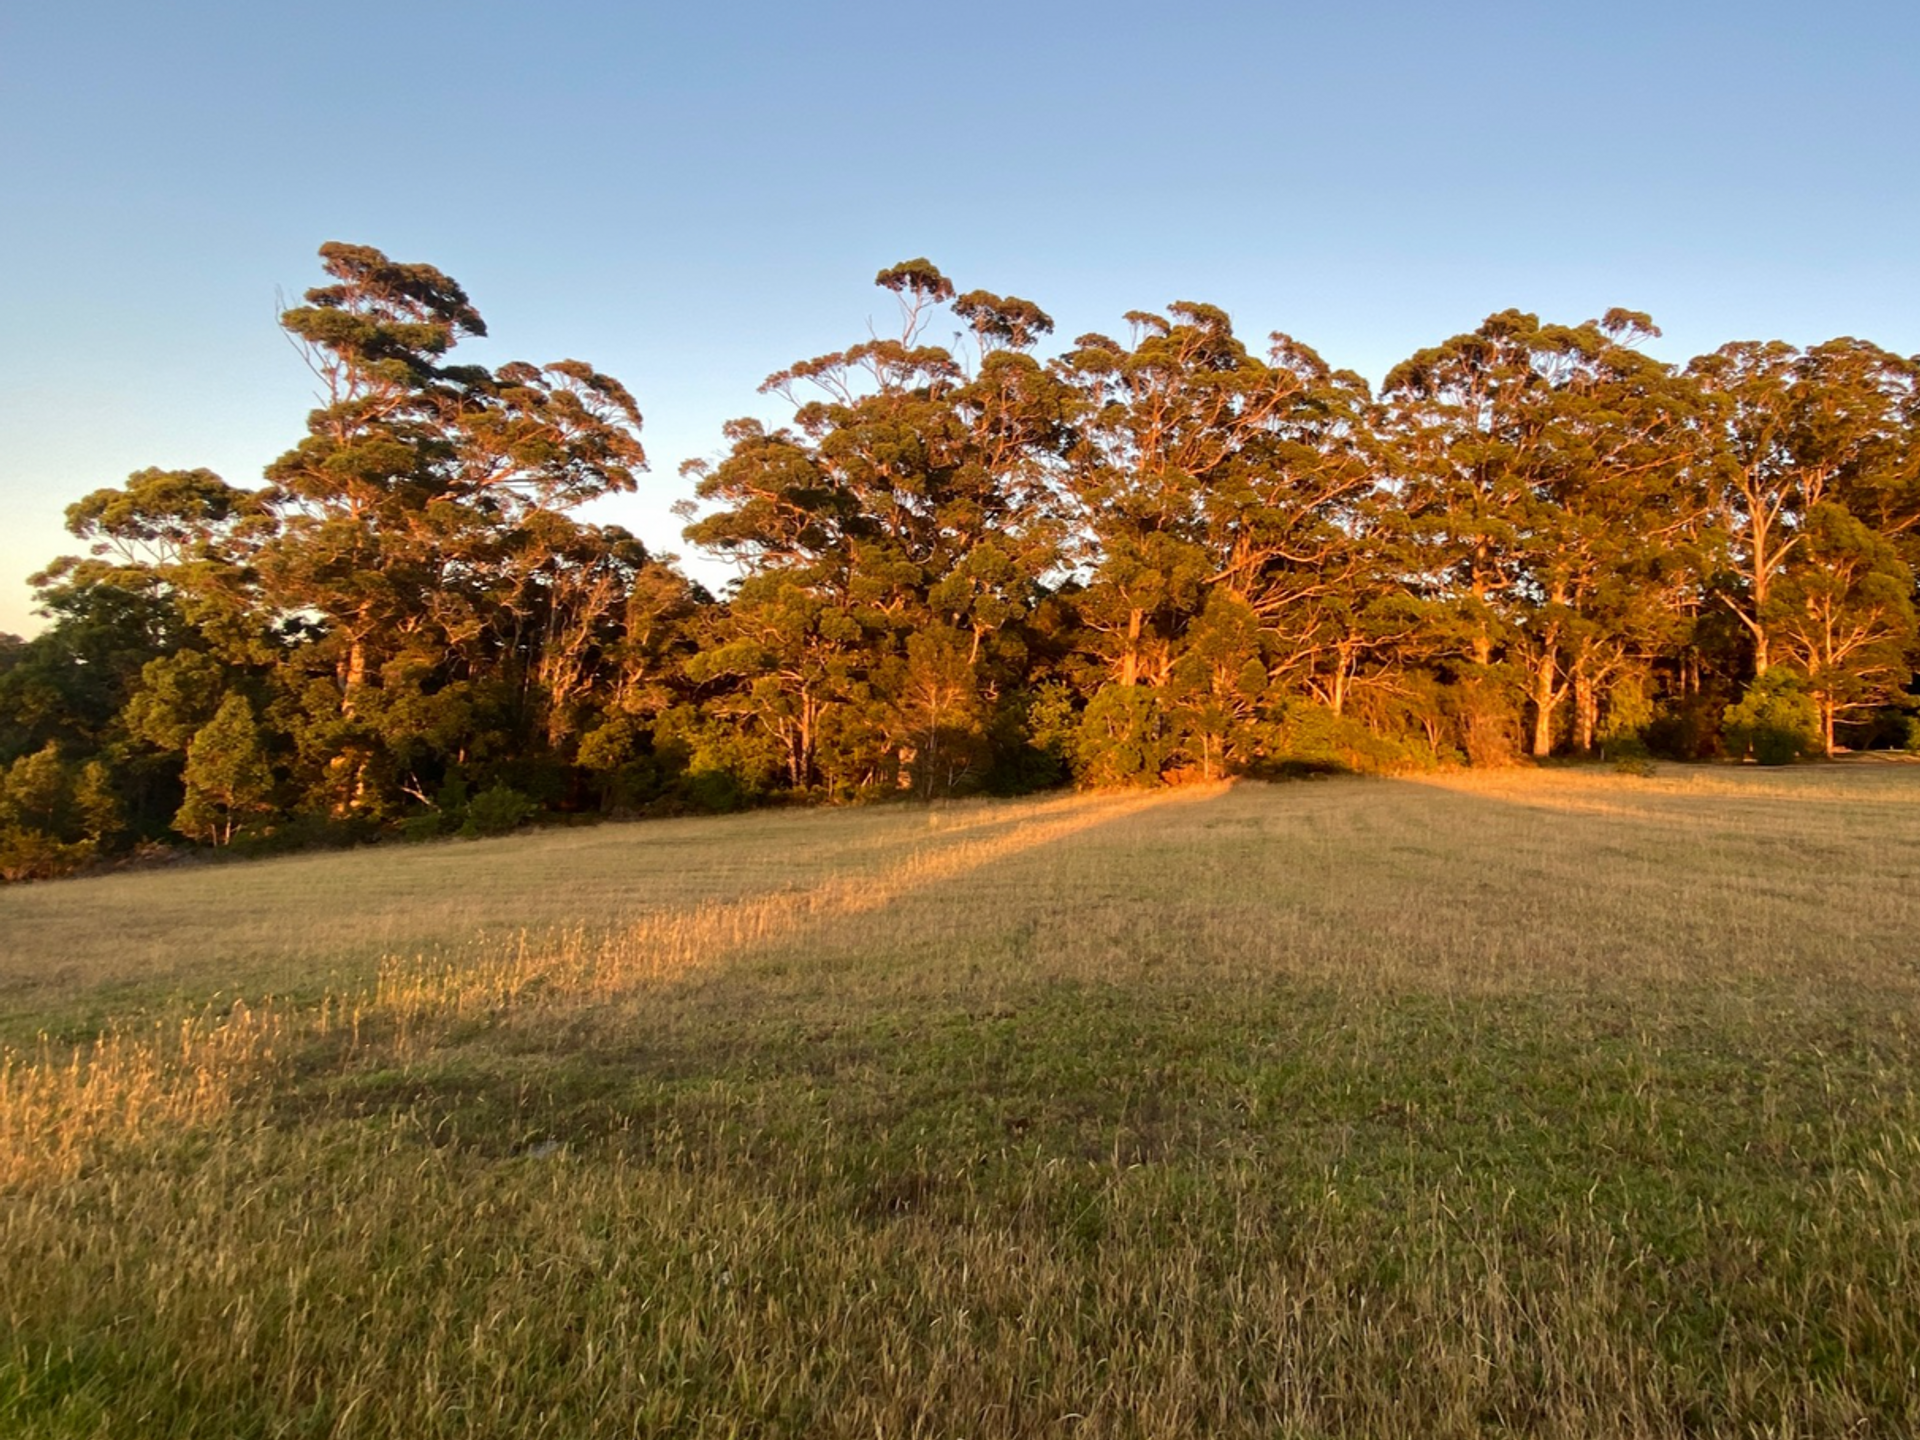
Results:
[965, 568]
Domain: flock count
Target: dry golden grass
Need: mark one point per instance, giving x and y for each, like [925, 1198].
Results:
[133, 1079]
[309, 922]
[1559, 1103]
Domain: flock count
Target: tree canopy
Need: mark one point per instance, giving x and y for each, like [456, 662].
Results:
[970, 567]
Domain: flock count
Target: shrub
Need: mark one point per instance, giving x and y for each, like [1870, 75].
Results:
[713, 792]
[27, 853]
[297, 833]
[1632, 759]
[424, 825]
[1310, 739]
[496, 810]
[1031, 733]
[1776, 720]
[712, 763]
[1485, 719]
[1121, 739]
[1686, 729]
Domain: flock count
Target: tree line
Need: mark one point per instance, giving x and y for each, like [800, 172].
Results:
[966, 567]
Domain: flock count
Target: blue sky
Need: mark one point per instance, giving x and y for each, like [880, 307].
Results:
[692, 200]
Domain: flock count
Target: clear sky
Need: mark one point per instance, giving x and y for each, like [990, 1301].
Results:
[692, 197]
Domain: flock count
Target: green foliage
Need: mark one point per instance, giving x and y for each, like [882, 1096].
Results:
[177, 695]
[619, 755]
[98, 810]
[1624, 729]
[1032, 732]
[715, 792]
[69, 684]
[1310, 738]
[717, 766]
[55, 816]
[939, 721]
[1776, 721]
[1484, 718]
[30, 853]
[609, 746]
[425, 825]
[965, 567]
[228, 779]
[1122, 738]
[1631, 756]
[38, 790]
[1687, 727]
[1843, 614]
[497, 810]
[295, 834]
[1630, 712]
[1048, 717]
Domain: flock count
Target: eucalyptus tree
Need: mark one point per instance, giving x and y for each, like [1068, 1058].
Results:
[184, 534]
[55, 813]
[1630, 512]
[1233, 533]
[1162, 420]
[69, 684]
[423, 522]
[833, 524]
[1858, 420]
[1294, 530]
[1764, 485]
[228, 779]
[1795, 430]
[1547, 472]
[158, 587]
[1468, 445]
[1843, 615]
[176, 546]
[891, 541]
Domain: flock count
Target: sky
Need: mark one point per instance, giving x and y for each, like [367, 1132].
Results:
[694, 197]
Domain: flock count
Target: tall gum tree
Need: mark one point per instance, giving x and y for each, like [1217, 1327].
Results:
[1529, 460]
[1859, 415]
[1843, 615]
[1163, 421]
[1628, 512]
[422, 519]
[890, 541]
[1795, 429]
[1292, 528]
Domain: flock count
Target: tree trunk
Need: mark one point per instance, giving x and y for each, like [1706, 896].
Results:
[1543, 706]
[1586, 708]
[356, 675]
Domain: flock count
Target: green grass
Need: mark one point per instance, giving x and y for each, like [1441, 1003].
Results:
[1556, 1103]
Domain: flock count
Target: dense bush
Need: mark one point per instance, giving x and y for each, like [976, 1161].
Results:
[497, 810]
[1776, 721]
[1122, 738]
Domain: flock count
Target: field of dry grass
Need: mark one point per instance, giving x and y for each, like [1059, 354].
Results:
[1552, 1102]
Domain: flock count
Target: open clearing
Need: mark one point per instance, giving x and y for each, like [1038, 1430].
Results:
[1552, 1102]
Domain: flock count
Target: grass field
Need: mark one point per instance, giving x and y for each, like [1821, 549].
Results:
[1557, 1103]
